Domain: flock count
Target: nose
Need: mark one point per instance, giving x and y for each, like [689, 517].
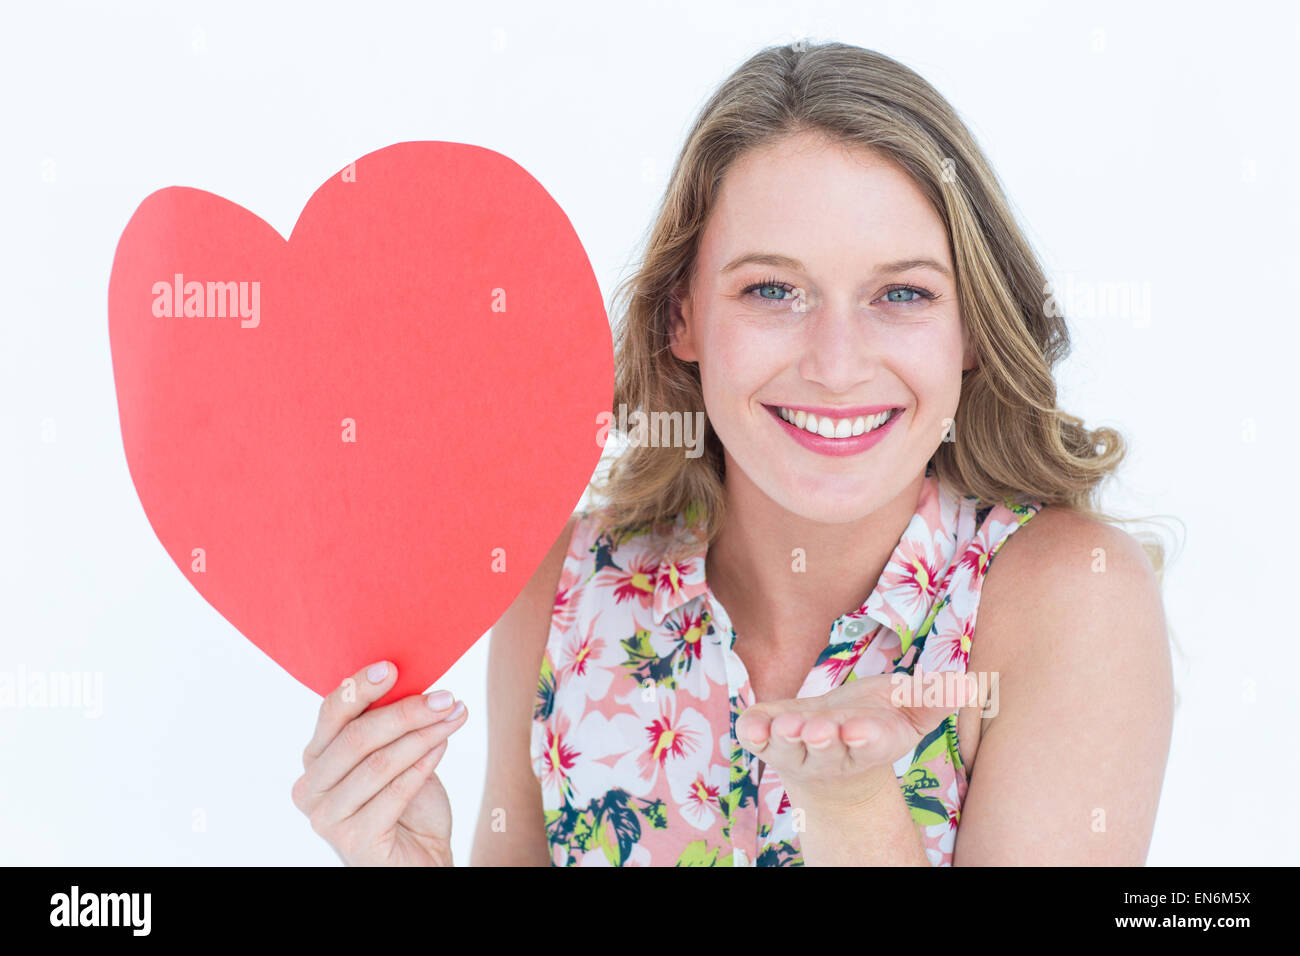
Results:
[840, 350]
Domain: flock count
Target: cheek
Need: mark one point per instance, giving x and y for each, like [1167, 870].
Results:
[930, 362]
[931, 372]
[736, 363]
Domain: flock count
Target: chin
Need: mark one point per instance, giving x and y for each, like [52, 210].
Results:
[839, 501]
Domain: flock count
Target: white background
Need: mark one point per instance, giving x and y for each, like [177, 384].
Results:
[1149, 146]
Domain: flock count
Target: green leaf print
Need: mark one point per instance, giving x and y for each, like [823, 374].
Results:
[560, 824]
[925, 630]
[932, 744]
[843, 651]
[697, 853]
[645, 665]
[609, 823]
[918, 778]
[655, 813]
[617, 828]
[727, 804]
[926, 809]
[779, 854]
[545, 691]
[904, 639]
[583, 828]
[604, 550]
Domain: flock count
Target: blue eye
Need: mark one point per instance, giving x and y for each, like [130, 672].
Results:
[774, 290]
[769, 285]
[919, 295]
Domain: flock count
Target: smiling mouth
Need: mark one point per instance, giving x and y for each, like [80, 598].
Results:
[828, 427]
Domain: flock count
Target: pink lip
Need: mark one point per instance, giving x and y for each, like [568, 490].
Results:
[837, 447]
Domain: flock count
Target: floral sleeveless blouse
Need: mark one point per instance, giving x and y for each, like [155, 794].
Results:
[633, 734]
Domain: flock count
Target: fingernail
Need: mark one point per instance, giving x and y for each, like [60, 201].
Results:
[440, 700]
[377, 672]
[460, 709]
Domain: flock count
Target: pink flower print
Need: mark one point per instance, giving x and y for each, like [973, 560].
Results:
[555, 762]
[676, 742]
[833, 670]
[976, 558]
[565, 608]
[917, 579]
[589, 658]
[569, 760]
[689, 631]
[666, 740]
[671, 573]
[636, 584]
[700, 801]
[947, 649]
[697, 668]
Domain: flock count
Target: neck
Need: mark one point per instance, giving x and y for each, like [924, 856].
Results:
[753, 567]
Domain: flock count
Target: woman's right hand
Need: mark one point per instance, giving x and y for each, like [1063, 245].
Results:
[368, 785]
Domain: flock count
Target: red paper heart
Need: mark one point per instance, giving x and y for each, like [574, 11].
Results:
[434, 295]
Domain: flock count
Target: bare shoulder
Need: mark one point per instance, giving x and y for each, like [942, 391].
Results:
[1066, 569]
[1059, 541]
[515, 651]
[1072, 622]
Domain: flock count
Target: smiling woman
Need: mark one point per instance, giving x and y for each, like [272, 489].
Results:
[835, 280]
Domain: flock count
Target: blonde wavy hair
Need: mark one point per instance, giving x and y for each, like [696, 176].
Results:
[1010, 440]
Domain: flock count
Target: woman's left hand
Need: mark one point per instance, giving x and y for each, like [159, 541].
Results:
[827, 747]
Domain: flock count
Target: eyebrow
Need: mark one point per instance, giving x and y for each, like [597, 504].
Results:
[772, 259]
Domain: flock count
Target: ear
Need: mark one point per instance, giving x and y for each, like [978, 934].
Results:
[681, 337]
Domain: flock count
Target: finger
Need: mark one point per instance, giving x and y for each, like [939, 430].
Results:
[386, 807]
[820, 732]
[864, 741]
[826, 752]
[752, 730]
[345, 702]
[859, 730]
[874, 739]
[785, 748]
[363, 736]
[378, 772]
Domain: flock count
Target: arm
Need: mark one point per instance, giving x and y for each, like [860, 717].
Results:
[878, 831]
[1070, 768]
[511, 830]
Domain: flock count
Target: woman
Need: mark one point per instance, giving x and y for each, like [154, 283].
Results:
[835, 279]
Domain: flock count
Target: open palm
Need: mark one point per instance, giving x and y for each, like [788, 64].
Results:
[826, 744]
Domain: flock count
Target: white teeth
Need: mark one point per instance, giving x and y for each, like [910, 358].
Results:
[833, 427]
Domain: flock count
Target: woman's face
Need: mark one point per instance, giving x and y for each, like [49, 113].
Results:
[824, 281]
